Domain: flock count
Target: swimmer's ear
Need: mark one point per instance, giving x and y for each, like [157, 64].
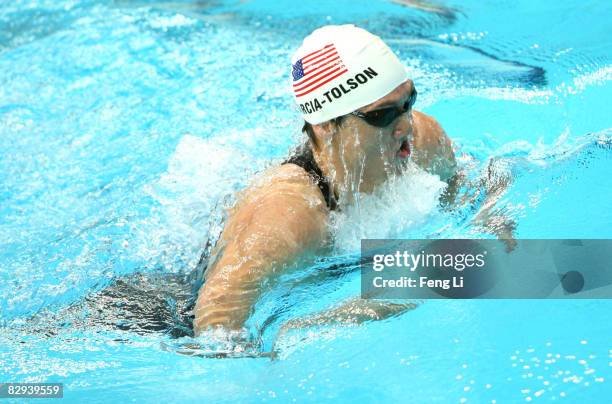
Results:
[323, 133]
[325, 130]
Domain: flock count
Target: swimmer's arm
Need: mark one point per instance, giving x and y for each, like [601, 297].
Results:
[434, 153]
[433, 149]
[489, 217]
[273, 226]
[492, 219]
[351, 312]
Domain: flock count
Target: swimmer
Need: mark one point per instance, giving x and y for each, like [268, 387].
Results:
[357, 102]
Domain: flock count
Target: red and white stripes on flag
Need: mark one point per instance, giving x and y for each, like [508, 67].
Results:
[316, 69]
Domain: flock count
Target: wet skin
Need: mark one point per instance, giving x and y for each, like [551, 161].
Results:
[281, 220]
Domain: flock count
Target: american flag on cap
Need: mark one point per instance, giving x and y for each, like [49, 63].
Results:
[316, 69]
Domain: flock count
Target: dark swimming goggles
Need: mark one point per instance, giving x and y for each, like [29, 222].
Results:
[383, 117]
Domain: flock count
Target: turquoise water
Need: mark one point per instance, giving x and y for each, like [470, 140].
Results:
[125, 126]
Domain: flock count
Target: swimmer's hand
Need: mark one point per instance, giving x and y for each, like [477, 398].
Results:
[503, 228]
[492, 187]
[494, 220]
[352, 312]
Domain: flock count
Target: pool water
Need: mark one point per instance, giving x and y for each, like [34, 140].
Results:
[126, 126]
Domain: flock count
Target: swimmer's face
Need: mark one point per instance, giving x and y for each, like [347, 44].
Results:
[373, 152]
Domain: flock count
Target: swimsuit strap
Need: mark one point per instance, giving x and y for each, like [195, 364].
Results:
[304, 158]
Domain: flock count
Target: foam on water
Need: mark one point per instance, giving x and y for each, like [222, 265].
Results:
[193, 194]
[200, 174]
[400, 205]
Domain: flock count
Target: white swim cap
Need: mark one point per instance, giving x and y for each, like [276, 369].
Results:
[341, 68]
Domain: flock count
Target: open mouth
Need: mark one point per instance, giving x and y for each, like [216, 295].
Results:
[404, 150]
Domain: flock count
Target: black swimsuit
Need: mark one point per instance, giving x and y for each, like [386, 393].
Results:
[303, 158]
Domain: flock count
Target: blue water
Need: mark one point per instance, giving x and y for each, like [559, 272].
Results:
[126, 126]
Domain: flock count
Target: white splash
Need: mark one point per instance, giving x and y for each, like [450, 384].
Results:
[200, 174]
[402, 203]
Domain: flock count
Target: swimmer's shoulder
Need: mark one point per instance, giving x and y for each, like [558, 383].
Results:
[284, 206]
[427, 130]
[433, 149]
[290, 172]
[287, 184]
[289, 175]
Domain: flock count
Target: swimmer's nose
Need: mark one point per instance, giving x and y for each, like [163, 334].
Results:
[403, 127]
[409, 84]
